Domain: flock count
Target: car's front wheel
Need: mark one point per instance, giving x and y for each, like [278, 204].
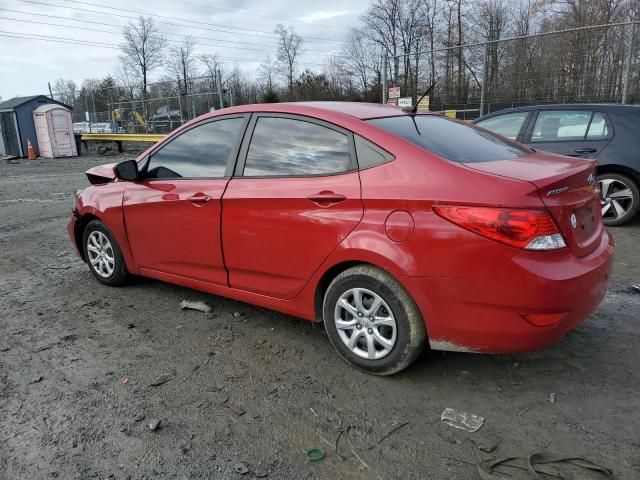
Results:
[103, 255]
[372, 321]
[619, 198]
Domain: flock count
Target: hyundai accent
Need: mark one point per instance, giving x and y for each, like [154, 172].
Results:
[397, 230]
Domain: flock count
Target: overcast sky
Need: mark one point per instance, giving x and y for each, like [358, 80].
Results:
[237, 29]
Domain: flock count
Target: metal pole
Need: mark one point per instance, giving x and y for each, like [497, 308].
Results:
[627, 68]
[385, 60]
[50, 92]
[485, 77]
[219, 82]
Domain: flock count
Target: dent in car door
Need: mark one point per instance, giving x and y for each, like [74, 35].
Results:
[172, 217]
[297, 198]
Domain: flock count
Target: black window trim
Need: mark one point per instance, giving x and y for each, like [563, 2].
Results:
[244, 149]
[388, 157]
[534, 119]
[523, 128]
[233, 154]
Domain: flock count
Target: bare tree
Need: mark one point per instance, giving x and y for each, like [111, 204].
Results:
[266, 74]
[289, 45]
[181, 62]
[67, 90]
[358, 57]
[143, 47]
[211, 64]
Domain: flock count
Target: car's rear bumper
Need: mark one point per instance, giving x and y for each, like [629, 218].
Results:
[484, 314]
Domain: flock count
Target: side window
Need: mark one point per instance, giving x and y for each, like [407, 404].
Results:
[202, 151]
[560, 125]
[598, 129]
[507, 125]
[368, 154]
[290, 147]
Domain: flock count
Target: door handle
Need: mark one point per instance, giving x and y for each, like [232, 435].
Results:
[326, 198]
[199, 199]
[586, 150]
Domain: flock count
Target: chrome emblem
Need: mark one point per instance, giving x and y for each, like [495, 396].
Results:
[557, 191]
[574, 220]
[591, 179]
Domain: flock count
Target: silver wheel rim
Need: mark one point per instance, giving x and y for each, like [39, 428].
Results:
[616, 198]
[365, 323]
[101, 256]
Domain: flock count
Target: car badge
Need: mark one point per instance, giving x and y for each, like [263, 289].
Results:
[591, 179]
[574, 220]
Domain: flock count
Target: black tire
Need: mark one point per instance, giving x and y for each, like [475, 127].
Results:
[410, 336]
[120, 274]
[632, 185]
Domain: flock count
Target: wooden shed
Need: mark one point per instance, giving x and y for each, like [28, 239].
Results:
[17, 126]
[54, 130]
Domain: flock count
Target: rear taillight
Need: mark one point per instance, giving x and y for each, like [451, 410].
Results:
[528, 229]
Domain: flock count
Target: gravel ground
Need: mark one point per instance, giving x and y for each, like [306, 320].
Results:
[247, 390]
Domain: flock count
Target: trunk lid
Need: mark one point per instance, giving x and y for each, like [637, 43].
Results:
[567, 188]
[101, 174]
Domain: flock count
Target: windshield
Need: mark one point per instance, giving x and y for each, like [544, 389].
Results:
[449, 139]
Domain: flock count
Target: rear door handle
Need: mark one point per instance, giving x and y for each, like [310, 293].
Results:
[586, 150]
[326, 198]
[199, 199]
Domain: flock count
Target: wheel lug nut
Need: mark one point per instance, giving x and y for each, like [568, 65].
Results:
[370, 331]
[371, 318]
[358, 326]
[359, 314]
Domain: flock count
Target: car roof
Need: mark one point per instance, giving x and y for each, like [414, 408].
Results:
[565, 106]
[360, 110]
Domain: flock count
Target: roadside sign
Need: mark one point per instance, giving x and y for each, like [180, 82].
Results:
[423, 106]
[405, 102]
[394, 92]
[392, 101]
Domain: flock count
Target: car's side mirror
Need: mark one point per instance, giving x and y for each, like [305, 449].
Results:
[127, 170]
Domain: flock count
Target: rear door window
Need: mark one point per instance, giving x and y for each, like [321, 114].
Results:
[558, 125]
[598, 129]
[290, 147]
[507, 125]
[450, 139]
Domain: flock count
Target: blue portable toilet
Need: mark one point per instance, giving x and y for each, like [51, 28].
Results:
[17, 125]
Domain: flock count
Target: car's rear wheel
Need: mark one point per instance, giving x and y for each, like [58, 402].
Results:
[619, 198]
[372, 321]
[103, 254]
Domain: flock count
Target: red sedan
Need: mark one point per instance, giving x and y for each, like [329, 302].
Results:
[395, 229]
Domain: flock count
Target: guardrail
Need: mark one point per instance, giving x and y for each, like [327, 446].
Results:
[122, 137]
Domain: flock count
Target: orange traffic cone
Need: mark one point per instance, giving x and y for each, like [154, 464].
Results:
[30, 150]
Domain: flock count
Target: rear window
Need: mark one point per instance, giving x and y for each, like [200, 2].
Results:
[450, 139]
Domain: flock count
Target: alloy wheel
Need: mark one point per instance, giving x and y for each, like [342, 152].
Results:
[101, 255]
[616, 198]
[365, 323]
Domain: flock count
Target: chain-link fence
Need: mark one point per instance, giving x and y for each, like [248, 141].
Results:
[579, 65]
[107, 107]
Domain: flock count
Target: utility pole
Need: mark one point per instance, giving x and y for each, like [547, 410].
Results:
[50, 92]
[219, 82]
[627, 68]
[485, 78]
[385, 59]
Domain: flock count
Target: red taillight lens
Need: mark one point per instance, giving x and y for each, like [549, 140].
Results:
[532, 229]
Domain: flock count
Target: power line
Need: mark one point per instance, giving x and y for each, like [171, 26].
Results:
[52, 38]
[263, 15]
[195, 37]
[244, 31]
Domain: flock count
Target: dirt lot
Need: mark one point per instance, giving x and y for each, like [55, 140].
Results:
[250, 390]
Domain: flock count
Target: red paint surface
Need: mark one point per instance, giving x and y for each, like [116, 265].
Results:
[264, 241]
